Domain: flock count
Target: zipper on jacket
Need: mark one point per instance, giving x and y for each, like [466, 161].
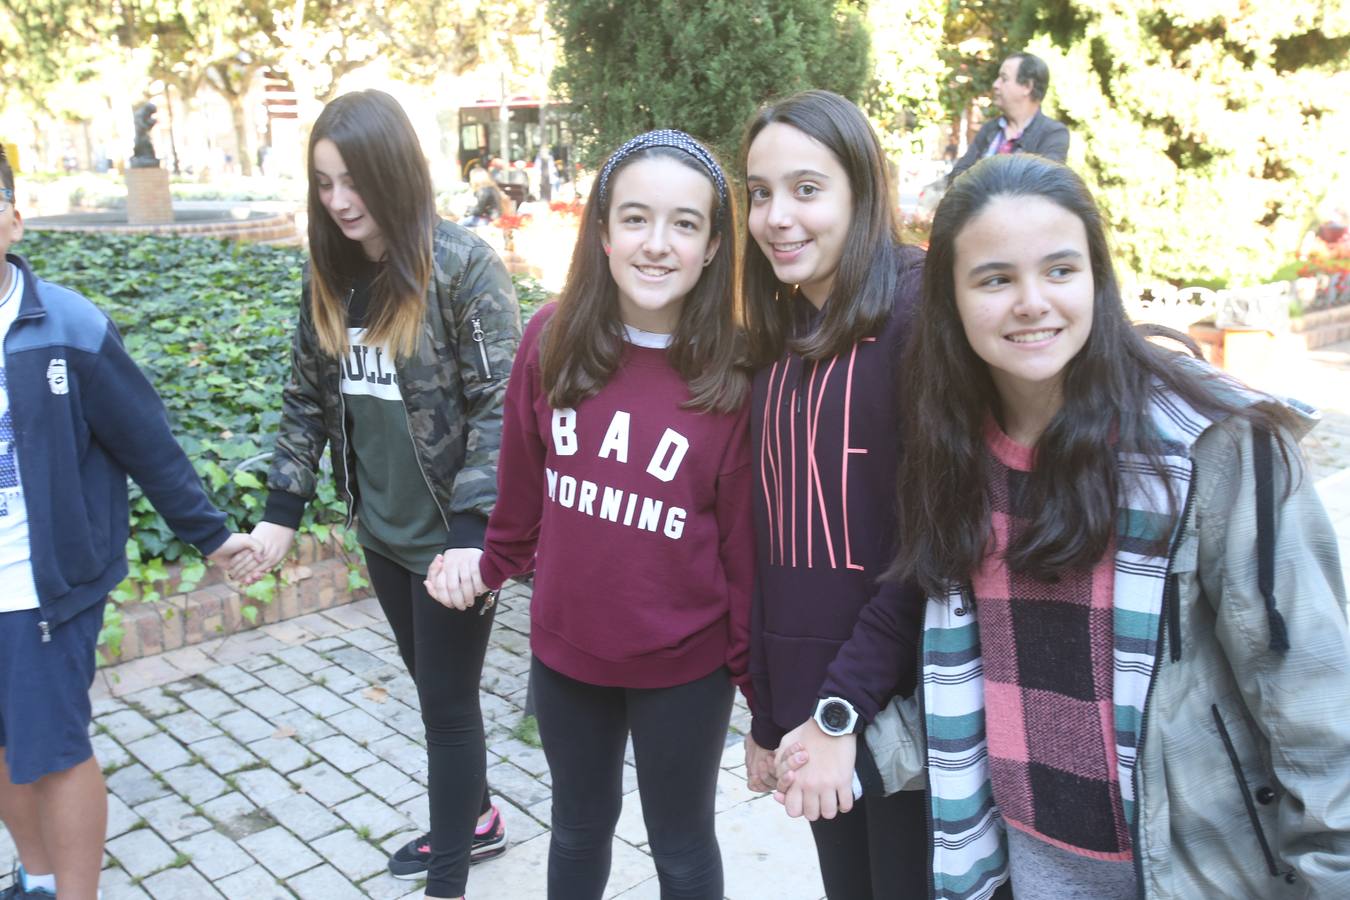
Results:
[342, 414]
[1153, 680]
[1247, 801]
[1173, 594]
[29, 280]
[346, 443]
[477, 324]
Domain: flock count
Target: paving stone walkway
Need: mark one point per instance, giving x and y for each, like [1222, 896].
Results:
[288, 762]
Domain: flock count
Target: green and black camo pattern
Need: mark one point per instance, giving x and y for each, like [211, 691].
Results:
[453, 386]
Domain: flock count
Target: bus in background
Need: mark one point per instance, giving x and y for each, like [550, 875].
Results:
[480, 140]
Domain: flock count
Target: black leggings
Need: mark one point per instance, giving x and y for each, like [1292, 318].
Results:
[876, 851]
[443, 649]
[678, 737]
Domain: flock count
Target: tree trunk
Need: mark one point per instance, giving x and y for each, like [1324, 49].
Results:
[233, 87]
[240, 133]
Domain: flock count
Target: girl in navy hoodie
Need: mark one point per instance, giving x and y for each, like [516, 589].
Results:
[828, 289]
[624, 483]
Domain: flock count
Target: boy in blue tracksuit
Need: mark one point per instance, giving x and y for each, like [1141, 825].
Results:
[76, 417]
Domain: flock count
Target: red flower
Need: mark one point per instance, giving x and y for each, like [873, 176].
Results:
[511, 223]
[572, 209]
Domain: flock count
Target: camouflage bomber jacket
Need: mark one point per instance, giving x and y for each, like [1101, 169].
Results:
[453, 387]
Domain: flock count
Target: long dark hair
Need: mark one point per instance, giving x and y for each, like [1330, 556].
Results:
[863, 292]
[583, 343]
[943, 490]
[385, 161]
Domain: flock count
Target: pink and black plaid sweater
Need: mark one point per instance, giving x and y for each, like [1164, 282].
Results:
[1047, 666]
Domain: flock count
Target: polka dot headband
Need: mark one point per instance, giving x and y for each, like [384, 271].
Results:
[677, 140]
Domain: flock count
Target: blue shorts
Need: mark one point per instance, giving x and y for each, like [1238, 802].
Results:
[44, 692]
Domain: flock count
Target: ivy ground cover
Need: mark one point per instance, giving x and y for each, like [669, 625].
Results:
[209, 322]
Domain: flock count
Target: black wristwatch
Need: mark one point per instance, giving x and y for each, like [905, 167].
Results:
[836, 716]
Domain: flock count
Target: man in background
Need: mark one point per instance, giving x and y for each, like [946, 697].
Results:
[1018, 91]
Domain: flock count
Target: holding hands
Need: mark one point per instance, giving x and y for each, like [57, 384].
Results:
[237, 550]
[760, 774]
[453, 580]
[271, 543]
[814, 772]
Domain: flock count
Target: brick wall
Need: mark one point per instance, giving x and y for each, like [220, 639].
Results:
[278, 228]
[313, 579]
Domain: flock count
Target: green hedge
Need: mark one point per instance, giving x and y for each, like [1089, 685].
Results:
[210, 323]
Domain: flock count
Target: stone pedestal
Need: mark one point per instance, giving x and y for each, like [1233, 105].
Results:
[148, 198]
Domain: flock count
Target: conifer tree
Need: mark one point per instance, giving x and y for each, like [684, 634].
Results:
[699, 65]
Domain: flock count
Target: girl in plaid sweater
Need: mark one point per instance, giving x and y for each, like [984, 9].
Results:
[1134, 657]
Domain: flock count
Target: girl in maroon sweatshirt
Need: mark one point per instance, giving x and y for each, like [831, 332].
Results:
[828, 290]
[624, 484]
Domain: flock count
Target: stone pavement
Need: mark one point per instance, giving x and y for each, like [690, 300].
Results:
[287, 762]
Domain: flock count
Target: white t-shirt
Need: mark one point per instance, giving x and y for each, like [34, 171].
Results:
[652, 339]
[17, 590]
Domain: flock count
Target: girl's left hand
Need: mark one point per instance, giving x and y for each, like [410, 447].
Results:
[453, 579]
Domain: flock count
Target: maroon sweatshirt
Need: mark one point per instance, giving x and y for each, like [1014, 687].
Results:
[635, 515]
[826, 439]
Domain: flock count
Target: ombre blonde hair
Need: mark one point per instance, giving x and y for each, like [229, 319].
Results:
[387, 167]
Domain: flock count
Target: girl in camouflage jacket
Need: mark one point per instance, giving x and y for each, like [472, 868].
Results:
[407, 329]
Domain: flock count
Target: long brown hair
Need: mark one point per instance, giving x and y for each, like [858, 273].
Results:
[479, 178]
[385, 161]
[944, 522]
[863, 293]
[583, 343]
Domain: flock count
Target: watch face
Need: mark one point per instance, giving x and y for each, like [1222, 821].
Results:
[835, 715]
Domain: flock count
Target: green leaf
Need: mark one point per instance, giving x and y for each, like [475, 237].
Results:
[190, 574]
[262, 590]
[154, 570]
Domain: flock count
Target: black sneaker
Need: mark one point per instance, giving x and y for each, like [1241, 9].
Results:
[412, 859]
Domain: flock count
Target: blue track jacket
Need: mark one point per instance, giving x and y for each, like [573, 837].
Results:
[84, 418]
